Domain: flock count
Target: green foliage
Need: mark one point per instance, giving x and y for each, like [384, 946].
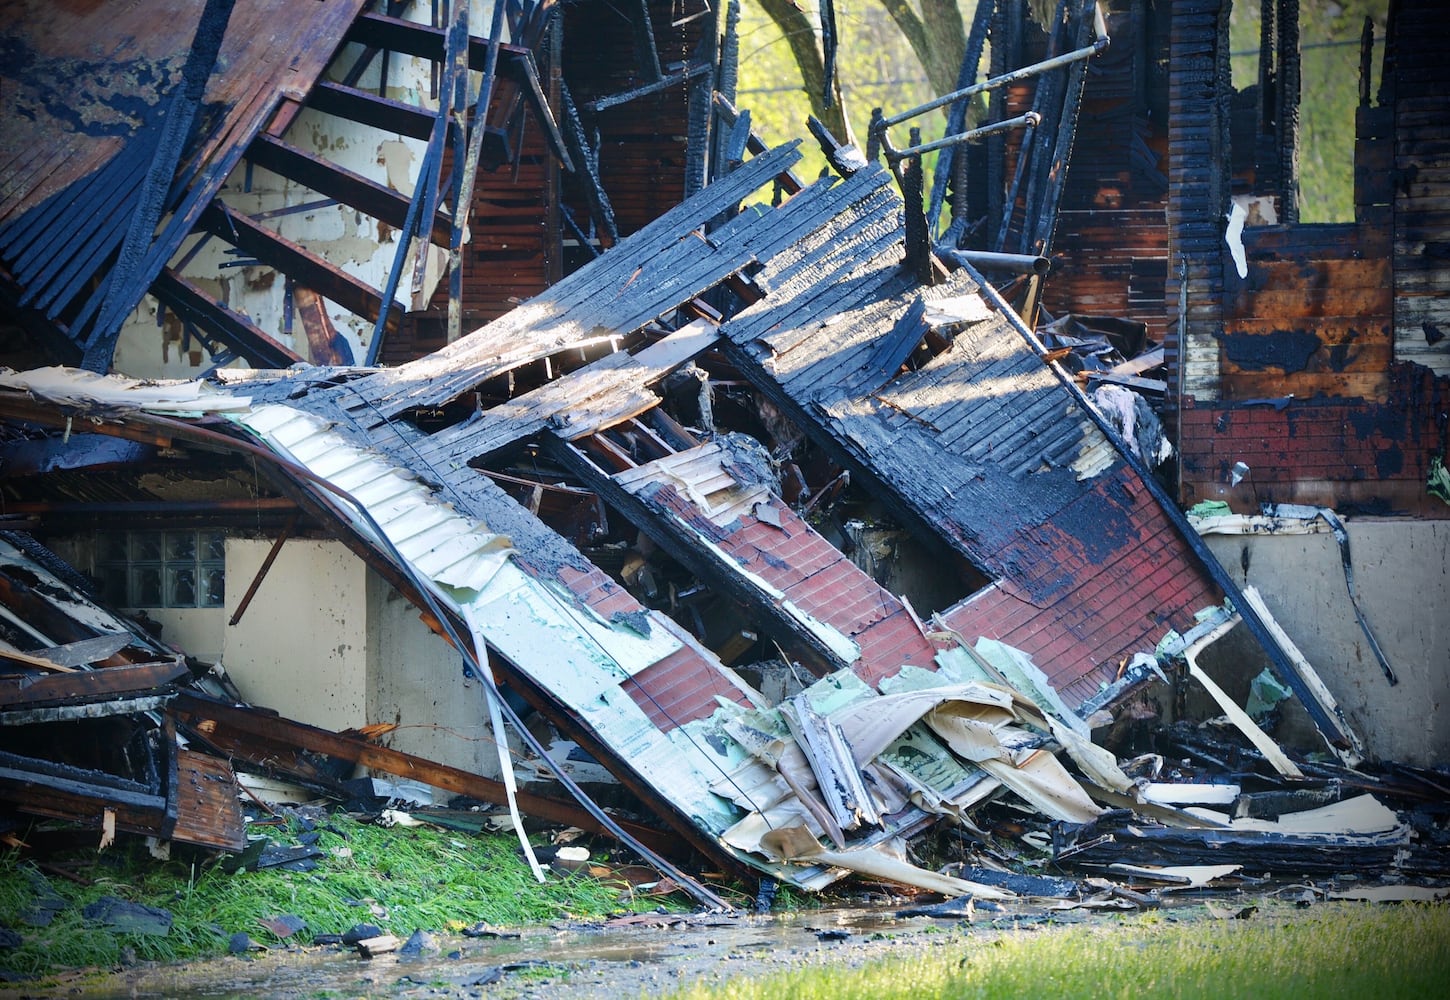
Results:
[1332, 950]
[400, 879]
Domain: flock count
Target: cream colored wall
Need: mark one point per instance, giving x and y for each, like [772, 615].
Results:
[1402, 572]
[416, 680]
[301, 648]
[198, 632]
[328, 642]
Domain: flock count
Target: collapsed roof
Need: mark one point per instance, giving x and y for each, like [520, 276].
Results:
[933, 396]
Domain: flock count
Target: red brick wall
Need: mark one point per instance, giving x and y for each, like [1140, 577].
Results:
[1358, 456]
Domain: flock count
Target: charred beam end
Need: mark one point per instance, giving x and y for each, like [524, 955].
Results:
[306, 267]
[728, 116]
[1013, 263]
[232, 328]
[690, 72]
[844, 159]
[918, 236]
[352, 189]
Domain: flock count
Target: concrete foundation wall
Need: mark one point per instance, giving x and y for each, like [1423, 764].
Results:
[199, 632]
[1402, 573]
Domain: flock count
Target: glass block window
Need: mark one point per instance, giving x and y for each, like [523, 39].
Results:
[162, 569]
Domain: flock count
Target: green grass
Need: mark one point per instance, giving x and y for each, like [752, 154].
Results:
[399, 879]
[1332, 950]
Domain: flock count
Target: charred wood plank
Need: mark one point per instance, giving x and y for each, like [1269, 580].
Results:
[73, 686]
[208, 812]
[690, 72]
[427, 42]
[306, 267]
[230, 327]
[75, 793]
[340, 184]
[369, 109]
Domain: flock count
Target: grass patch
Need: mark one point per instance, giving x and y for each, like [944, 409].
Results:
[400, 879]
[1331, 950]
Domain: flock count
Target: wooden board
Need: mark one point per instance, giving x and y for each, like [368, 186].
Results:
[208, 812]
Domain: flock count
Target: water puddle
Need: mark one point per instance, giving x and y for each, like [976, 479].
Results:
[651, 954]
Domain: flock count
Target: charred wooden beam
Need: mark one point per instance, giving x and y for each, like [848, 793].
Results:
[465, 169]
[693, 71]
[1038, 239]
[647, 57]
[1287, 117]
[427, 42]
[340, 184]
[227, 325]
[588, 159]
[265, 512]
[285, 747]
[369, 109]
[957, 115]
[30, 691]
[306, 267]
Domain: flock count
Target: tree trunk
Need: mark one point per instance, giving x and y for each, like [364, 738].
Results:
[805, 47]
[937, 36]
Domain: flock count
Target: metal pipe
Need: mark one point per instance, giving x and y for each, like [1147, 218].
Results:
[1030, 118]
[1024, 73]
[1016, 263]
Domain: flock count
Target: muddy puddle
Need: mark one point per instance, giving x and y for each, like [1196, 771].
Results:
[652, 954]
